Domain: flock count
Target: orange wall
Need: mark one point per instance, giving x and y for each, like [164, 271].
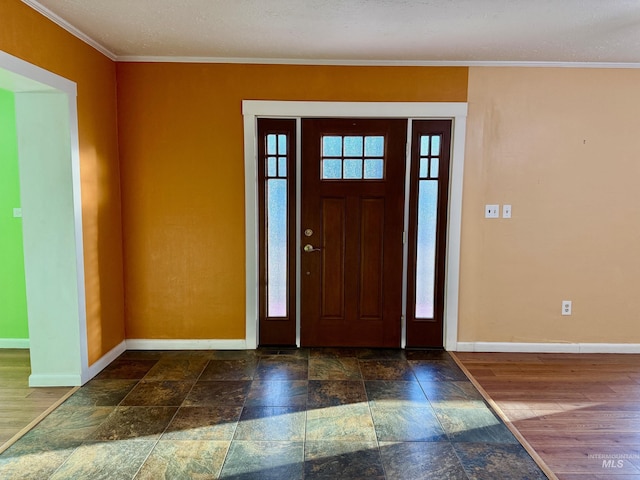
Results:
[180, 131]
[26, 34]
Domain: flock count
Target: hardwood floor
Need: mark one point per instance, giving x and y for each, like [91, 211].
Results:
[580, 412]
[20, 405]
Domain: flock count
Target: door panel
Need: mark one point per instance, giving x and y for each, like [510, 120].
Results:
[333, 268]
[352, 201]
[371, 272]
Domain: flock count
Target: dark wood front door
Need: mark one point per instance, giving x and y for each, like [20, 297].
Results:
[352, 228]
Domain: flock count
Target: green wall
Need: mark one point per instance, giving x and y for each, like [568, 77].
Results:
[13, 298]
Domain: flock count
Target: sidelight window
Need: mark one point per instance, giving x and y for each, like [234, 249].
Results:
[276, 190]
[429, 160]
[429, 182]
[276, 224]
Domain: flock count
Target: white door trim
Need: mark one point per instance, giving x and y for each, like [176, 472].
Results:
[457, 111]
[58, 339]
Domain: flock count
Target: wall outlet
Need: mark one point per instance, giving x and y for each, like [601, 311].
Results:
[506, 211]
[566, 307]
[492, 211]
[17, 213]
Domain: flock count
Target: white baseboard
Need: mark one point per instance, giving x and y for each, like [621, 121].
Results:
[609, 348]
[141, 344]
[104, 361]
[21, 343]
[512, 347]
[54, 380]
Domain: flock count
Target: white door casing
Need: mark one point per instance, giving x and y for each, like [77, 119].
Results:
[252, 109]
[49, 164]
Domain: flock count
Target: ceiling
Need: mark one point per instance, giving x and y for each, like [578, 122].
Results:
[356, 31]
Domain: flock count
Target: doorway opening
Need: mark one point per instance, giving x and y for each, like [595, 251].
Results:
[49, 165]
[455, 113]
[352, 208]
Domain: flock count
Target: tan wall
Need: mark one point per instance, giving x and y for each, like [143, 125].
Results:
[181, 144]
[26, 34]
[563, 147]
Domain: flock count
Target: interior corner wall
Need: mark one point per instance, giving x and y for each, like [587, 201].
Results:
[561, 146]
[28, 35]
[13, 298]
[182, 161]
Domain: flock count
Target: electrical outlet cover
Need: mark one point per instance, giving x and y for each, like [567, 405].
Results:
[492, 211]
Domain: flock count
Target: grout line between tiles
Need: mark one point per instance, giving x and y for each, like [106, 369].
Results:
[457, 454]
[444, 430]
[145, 459]
[366, 395]
[233, 434]
[494, 406]
[433, 409]
[159, 436]
[306, 411]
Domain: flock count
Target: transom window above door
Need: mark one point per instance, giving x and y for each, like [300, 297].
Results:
[352, 157]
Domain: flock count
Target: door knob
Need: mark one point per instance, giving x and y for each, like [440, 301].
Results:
[310, 248]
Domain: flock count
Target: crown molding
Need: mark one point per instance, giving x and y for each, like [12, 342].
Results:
[291, 61]
[370, 63]
[70, 28]
[310, 61]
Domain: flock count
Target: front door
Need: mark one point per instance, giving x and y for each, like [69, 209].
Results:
[353, 174]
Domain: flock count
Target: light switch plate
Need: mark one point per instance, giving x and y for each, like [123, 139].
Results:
[17, 213]
[492, 211]
[506, 211]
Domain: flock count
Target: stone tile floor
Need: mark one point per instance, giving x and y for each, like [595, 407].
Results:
[273, 414]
